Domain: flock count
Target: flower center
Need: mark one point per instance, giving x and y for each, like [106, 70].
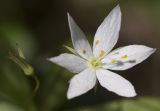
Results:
[95, 63]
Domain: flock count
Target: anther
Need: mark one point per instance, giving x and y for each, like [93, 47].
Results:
[113, 61]
[83, 51]
[97, 42]
[101, 53]
[124, 56]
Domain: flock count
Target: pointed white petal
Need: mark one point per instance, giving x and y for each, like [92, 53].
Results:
[107, 34]
[128, 56]
[79, 40]
[81, 83]
[71, 62]
[115, 83]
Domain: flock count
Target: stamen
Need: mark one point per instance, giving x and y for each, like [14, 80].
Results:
[83, 51]
[101, 53]
[97, 42]
[124, 56]
[113, 61]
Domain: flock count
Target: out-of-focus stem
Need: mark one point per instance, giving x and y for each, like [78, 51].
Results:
[37, 83]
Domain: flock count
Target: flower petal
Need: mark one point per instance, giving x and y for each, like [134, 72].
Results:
[107, 34]
[128, 56]
[115, 83]
[71, 62]
[80, 43]
[81, 83]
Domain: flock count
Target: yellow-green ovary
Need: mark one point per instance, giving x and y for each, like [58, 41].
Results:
[95, 63]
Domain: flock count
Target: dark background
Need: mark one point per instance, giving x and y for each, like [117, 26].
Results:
[40, 28]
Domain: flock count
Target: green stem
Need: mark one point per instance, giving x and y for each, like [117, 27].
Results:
[95, 87]
[37, 83]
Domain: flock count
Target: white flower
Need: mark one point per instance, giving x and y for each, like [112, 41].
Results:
[95, 65]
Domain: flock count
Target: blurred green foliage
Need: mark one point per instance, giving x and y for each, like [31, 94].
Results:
[138, 104]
